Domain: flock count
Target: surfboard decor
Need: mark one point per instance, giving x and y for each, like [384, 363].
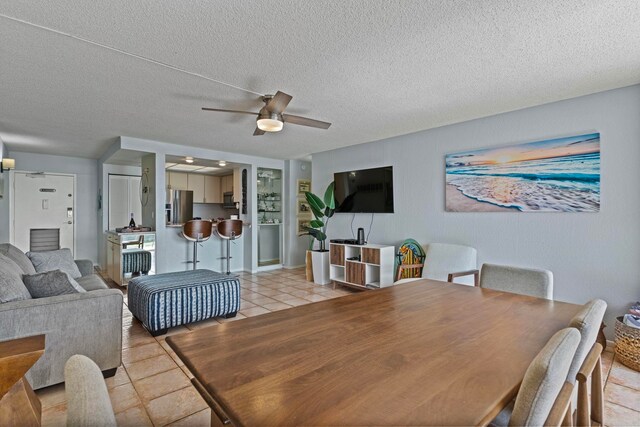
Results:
[410, 253]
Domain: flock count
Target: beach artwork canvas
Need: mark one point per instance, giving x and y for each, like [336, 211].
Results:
[554, 175]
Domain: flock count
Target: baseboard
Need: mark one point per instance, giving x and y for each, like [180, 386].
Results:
[292, 267]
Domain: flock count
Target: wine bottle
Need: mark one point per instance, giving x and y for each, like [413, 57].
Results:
[132, 223]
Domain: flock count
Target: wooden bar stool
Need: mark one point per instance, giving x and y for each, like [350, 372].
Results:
[229, 229]
[197, 231]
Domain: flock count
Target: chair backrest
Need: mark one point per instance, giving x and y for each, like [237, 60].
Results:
[587, 322]
[544, 379]
[88, 402]
[197, 230]
[229, 228]
[444, 258]
[524, 281]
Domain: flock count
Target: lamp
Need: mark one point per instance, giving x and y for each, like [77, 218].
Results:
[7, 164]
[269, 122]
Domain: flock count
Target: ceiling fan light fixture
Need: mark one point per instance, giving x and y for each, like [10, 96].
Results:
[270, 122]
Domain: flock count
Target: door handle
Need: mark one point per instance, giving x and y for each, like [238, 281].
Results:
[69, 222]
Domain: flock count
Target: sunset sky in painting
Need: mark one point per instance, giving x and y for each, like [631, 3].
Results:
[582, 144]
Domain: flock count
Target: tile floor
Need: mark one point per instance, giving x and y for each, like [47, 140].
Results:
[153, 387]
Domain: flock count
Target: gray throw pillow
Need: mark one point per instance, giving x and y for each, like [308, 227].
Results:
[11, 286]
[50, 284]
[62, 259]
[19, 257]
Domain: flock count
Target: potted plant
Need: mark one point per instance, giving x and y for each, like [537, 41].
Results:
[322, 211]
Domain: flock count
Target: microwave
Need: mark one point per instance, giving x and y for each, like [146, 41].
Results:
[227, 200]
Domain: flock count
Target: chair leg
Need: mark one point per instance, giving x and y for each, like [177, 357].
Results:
[597, 400]
[584, 418]
[228, 256]
[568, 417]
[195, 255]
[108, 373]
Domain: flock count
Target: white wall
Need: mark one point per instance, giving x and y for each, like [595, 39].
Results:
[294, 245]
[592, 255]
[4, 200]
[86, 171]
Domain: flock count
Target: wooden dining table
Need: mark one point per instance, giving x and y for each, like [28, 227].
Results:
[424, 353]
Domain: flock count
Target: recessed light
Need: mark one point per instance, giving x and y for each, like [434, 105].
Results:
[222, 163]
[189, 160]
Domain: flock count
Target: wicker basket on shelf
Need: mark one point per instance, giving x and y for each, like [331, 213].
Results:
[627, 345]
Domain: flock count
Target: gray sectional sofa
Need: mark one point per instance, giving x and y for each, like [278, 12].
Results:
[88, 323]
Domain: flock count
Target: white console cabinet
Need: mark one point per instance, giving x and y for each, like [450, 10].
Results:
[370, 267]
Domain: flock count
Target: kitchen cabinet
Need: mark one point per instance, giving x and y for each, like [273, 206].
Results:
[227, 184]
[237, 185]
[177, 181]
[195, 183]
[212, 186]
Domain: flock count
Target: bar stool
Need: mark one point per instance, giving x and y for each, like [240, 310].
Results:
[197, 231]
[229, 229]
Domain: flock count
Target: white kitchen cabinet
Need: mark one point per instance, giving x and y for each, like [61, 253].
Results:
[177, 181]
[195, 183]
[237, 185]
[227, 184]
[212, 186]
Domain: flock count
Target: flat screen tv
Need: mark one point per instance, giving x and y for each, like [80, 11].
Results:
[364, 191]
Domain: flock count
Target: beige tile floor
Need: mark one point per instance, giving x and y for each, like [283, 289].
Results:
[153, 386]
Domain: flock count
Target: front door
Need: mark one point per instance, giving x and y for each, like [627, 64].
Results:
[43, 201]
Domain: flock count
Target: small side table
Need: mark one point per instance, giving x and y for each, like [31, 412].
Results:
[19, 405]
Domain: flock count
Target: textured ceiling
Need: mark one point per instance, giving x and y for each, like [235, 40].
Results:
[374, 69]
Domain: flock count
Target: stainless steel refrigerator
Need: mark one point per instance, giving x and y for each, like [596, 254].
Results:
[179, 206]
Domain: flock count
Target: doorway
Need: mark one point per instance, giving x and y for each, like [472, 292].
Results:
[43, 210]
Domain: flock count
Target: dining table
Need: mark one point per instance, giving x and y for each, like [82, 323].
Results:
[423, 353]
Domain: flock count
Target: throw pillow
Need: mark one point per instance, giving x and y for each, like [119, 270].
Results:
[62, 259]
[10, 251]
[51, 283]
[11, 286]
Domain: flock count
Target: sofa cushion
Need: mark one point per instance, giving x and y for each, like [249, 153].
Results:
[92, 282]
[50, 284]
[61, 259]
[11, 286]
[19, 257]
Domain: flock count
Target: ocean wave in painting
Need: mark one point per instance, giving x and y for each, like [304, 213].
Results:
[564, 184]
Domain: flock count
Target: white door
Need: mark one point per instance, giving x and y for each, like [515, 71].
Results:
[43, 200]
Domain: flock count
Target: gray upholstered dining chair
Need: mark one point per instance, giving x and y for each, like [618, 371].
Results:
[586, 363]
[442, 259]
[544, 396]
[88, 402]
[524, 281]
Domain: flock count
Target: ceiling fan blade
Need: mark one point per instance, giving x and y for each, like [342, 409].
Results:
[258, 132]
[229, 111]
[304, 121]
[279, 102]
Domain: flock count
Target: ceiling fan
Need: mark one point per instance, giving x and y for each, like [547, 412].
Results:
[271, 117]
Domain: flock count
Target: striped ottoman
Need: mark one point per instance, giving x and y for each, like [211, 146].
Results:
[171, 299]
[136, 262]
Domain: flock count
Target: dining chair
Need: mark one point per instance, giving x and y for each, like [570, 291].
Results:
[587, 363]
[88, 402]
[442, 259]
[524, 281]
[545, 394]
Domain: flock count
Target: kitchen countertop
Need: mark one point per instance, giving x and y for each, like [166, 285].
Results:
[244, 224]
[129, 232]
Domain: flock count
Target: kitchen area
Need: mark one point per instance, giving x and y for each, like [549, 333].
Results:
[160, 192]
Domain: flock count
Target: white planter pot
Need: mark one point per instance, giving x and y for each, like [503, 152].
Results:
[320, 267]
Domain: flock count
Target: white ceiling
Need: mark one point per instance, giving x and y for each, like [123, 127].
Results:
[375, 69]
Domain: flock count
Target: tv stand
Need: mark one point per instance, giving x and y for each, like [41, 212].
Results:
[370, 266]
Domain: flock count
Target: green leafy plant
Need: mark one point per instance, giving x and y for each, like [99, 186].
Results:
[322, 211]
